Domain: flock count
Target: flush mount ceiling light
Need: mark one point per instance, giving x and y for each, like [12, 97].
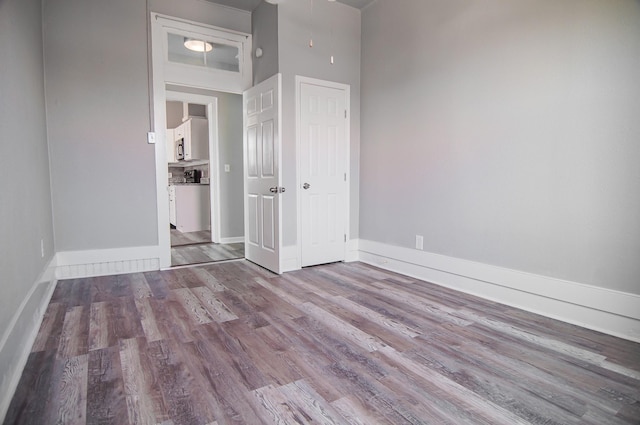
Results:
[197, 45]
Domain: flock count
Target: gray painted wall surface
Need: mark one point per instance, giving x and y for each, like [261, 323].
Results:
[506, 133]
[296, 58]
[205, 12]
[230, 151]
[174, 114]
[264, 27]
[103, 172]
[25, 200]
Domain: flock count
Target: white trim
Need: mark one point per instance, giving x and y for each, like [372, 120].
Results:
[289, 258]
[353, 253]
[159, 80]
[612, 312]
[210, 78]
[103, 262]
[347, 230]
[237, 239]
[24, 325]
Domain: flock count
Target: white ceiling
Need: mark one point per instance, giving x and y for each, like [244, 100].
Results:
[252, 4]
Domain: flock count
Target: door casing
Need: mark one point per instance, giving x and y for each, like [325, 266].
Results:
[159, 24]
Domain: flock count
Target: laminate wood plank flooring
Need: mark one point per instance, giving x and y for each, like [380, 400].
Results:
[205, 253]
[188, 238]
[231, 343]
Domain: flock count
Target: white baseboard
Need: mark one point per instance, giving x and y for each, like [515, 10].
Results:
[289, 259]
[352, 254]
[20, 334]
[238, 239]
[102, 262]
[612, 312]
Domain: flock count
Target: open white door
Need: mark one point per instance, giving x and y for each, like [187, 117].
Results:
[262, 176]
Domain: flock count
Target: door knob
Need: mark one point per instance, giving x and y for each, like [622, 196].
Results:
[306, 186]
[273, 190]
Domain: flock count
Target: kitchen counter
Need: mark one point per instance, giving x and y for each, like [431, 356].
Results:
[189, 184]
[189, 163]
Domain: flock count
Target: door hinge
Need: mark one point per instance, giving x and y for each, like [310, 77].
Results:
[345, 238]
[345, 176]
[345, 113]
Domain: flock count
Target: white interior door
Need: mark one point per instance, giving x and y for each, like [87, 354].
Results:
[323, 173]
[263, 187]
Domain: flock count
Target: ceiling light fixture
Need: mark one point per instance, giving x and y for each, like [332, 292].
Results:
[197, 45]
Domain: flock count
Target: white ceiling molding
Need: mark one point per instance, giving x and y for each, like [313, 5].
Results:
[249, 5]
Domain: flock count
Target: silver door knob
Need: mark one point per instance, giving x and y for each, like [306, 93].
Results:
[273, 190]
[306, 186]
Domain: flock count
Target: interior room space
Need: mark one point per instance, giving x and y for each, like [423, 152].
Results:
[318, 211]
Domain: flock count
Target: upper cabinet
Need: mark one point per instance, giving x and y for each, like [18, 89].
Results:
[192, 139]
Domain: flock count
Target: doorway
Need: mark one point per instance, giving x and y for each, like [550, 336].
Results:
[224, 70]
[204, 154]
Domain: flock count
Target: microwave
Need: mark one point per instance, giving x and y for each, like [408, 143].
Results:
[180, 149]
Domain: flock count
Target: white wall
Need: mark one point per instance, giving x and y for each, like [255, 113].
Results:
[505, 133]
[296, 58]
[25, 200]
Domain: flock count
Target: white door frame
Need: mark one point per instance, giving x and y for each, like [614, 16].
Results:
[211, 103]
[159, 25]
[347, 91]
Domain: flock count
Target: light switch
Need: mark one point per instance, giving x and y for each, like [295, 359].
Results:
[151, 137]
[227, 168]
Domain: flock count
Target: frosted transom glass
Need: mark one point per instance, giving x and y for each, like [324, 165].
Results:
[221, 56]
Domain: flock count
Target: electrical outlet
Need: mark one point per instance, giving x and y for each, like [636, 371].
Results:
[419, 242]
[227, 168]
[42, 248]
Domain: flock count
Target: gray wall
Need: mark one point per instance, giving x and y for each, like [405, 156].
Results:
[230, 151]
[174, 114]
[296, 58]
[103, 171]
[264, 27]
[25, 200]
[506, 133]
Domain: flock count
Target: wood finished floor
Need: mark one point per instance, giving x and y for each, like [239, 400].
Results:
[341, 343]
[179, 238]
[205, 253]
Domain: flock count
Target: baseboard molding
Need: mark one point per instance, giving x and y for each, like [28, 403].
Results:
[289, 259]
[238, 239]
[21, 333]
[352, 254]
[612, 312]
[102, 262]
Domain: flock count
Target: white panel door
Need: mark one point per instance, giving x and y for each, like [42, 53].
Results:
[323, 165]
[263, 190]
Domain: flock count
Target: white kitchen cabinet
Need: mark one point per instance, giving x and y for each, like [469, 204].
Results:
[172, 205]
[192, 207]
[194, 134]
